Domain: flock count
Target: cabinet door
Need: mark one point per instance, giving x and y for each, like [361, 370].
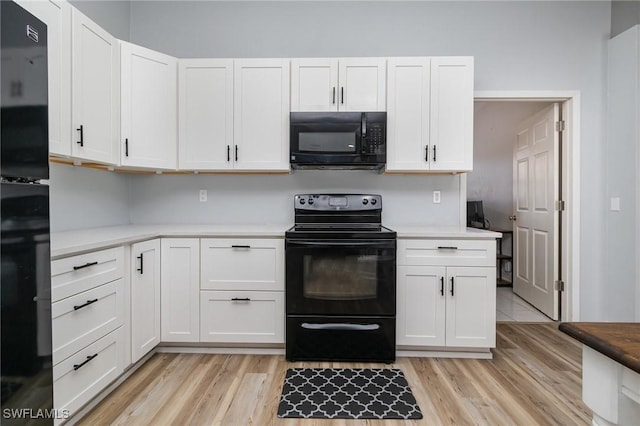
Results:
[314, 84]
[420, 314]
[408, 114]
[451, 113]
[148, 106]
[180, 290]
[145, 297]
[362, 84]
[471, 307]
[205, 105]
[261, 114]
[95, 92]
[57, 16]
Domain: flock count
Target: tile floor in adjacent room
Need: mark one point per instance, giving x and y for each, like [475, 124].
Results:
[510, 307]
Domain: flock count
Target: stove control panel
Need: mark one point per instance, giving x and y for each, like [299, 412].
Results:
[337, 202]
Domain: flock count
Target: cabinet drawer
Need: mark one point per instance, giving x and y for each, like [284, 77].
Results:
[83, 375]
[447, 252]
[242, 316]
[82, 319]
[75, 274]
[242, 264]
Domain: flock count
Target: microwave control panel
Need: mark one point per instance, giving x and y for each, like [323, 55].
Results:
[375, 141]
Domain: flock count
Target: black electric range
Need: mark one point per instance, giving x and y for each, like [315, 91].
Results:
[340, 280]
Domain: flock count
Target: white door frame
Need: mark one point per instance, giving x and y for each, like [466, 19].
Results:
[570, 218]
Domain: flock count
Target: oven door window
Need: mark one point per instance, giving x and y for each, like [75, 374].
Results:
[340, 280]
[328, 276]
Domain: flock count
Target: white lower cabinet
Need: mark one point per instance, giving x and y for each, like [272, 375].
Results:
[145, 297]
[180, 290]
[242, 316]
[79, 378]
[446, 306]
[242, 290]
[89, 325]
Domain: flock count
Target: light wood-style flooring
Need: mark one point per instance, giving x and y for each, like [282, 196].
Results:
[534, 378]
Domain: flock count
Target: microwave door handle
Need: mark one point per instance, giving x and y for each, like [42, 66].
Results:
[363, 121]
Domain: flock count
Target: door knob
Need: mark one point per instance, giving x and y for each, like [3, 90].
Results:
[512, 217]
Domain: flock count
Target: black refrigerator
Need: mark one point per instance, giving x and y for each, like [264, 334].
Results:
[25, 286]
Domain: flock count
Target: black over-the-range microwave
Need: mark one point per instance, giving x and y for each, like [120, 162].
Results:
[338, 140]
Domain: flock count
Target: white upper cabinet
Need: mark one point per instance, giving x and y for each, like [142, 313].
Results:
[408, 114]
[205, 105]
[234, 114]
[148, 107]
[430, 114]
[57, 16]
[261, 114]
[451, 131]
[95, 97]
[350, 84]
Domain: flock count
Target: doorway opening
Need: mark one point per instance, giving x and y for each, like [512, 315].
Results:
[497, 117]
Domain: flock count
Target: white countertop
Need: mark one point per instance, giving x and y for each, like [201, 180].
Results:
[418, 231]
[74, 242]
[79, 241]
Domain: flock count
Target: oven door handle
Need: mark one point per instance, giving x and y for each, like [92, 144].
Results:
[342, 243]
[340, 326]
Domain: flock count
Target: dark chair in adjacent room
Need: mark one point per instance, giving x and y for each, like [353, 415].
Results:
[475, 215]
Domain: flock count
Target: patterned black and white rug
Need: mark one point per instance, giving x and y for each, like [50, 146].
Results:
[347, 393]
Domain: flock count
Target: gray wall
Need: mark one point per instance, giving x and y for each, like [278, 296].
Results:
[87, 198]
[517, 46]
[622, 163]
[624, 15]
[112, 15]
[269, 198]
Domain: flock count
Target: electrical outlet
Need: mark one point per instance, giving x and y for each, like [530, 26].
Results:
[615, 204]
[203, 195]
[436, 197]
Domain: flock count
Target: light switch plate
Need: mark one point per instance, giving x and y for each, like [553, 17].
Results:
[203, 195]
[436, 197]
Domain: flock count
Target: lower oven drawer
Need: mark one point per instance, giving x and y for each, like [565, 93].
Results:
[341, 339]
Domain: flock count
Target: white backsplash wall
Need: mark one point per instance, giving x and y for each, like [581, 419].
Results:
[255, 199]
[87, 198]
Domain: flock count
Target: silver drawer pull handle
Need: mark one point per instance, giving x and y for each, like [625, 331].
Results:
[340, 326]
[447, 248]
[240, 247]
[241, 299]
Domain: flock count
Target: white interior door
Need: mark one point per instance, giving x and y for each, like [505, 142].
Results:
[535, 230]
